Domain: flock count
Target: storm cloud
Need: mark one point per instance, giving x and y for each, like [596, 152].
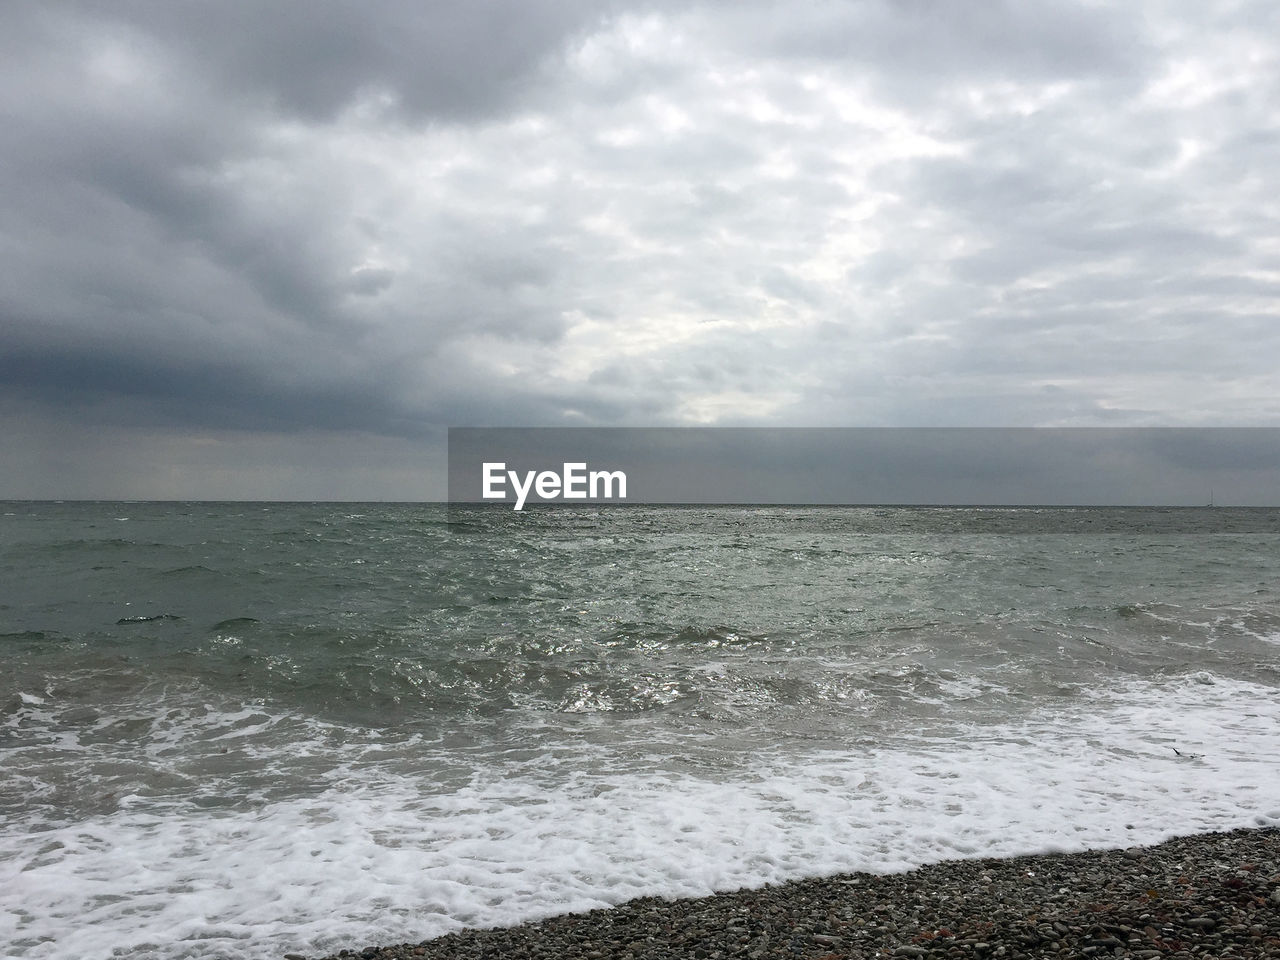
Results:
[273, 250]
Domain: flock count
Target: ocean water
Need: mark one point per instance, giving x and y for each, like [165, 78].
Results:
[237, 730]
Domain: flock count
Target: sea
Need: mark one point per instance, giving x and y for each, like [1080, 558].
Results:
[237, 730]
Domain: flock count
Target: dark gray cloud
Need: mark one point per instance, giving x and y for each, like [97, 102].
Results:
[312, 59]
[248, 225]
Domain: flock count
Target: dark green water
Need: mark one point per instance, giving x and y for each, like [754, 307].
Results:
[423, 718]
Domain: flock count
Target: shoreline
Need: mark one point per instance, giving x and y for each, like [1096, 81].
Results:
[1203, 895]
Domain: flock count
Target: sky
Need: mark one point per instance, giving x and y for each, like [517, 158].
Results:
[274, 250]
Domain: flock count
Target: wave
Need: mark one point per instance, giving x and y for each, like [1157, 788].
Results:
[386, 853]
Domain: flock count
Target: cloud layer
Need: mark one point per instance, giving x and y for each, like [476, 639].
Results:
[311, 227]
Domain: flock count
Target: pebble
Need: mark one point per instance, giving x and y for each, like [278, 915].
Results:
[1210, 895]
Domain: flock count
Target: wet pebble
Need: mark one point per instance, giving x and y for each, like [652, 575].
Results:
[1211, 895]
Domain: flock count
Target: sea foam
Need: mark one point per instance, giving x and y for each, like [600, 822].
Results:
[376, 856]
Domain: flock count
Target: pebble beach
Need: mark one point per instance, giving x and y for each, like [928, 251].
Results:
[1209, 895]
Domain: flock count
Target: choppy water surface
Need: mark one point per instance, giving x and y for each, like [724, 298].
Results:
[234, 730]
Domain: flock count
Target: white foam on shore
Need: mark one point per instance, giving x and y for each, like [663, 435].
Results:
[384, 860]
